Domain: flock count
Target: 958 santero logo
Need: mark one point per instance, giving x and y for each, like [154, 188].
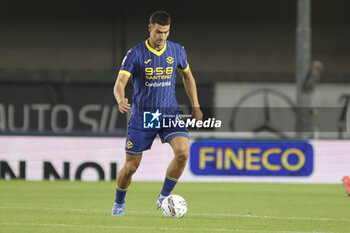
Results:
[158, 72]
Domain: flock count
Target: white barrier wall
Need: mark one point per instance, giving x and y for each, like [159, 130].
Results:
[100, 158]
[325, 96]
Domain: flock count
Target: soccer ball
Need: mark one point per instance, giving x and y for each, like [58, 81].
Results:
[174, 206]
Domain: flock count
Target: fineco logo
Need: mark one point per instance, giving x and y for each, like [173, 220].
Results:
[251, 158]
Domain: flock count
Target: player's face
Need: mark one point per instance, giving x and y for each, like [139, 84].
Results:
[158, 34]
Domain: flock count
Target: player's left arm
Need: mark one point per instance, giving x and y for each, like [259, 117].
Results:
[191, 90]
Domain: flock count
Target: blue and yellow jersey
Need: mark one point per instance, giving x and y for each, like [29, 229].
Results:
[153, 75]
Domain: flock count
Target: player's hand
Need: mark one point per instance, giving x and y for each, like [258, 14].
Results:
[197, 113]
[123, 105]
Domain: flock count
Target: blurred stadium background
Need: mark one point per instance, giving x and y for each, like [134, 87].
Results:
[59, 60]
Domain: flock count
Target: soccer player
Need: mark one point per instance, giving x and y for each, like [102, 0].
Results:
[152, 65]
[346, 182]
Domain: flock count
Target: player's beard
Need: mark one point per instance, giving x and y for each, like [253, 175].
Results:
[160, 43]
[157, 42]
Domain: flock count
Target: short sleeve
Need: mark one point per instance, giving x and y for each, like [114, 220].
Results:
[183, 64]
[128, 63]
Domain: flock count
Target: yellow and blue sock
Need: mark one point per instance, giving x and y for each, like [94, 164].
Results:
[120, 195]
[168, 186]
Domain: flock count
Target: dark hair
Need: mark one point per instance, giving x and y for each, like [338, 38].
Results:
[160, 17]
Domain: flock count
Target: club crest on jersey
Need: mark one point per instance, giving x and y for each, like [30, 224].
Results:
[170, 60]
[151, 119]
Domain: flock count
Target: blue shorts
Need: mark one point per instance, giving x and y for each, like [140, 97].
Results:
[139, 140]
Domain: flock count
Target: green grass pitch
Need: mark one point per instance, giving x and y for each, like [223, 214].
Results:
[63, 206]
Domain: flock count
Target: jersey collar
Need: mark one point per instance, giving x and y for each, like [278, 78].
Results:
[158, 53]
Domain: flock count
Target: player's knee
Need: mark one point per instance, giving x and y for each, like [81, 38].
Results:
[131, 167]
[181, 155]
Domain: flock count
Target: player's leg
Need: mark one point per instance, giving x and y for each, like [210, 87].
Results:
[346, 181]
[131, 164]
[136, 142]
[180, 146]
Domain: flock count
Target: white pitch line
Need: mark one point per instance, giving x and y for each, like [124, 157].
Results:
[272, 217]
[192, 214]
[150, 228]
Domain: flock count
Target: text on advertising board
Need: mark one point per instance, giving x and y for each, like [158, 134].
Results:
[251, 158]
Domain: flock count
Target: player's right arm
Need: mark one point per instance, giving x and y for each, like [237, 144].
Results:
[125, 72]
[119, 92]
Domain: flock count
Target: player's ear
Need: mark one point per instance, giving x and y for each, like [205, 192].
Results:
[149, 27]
